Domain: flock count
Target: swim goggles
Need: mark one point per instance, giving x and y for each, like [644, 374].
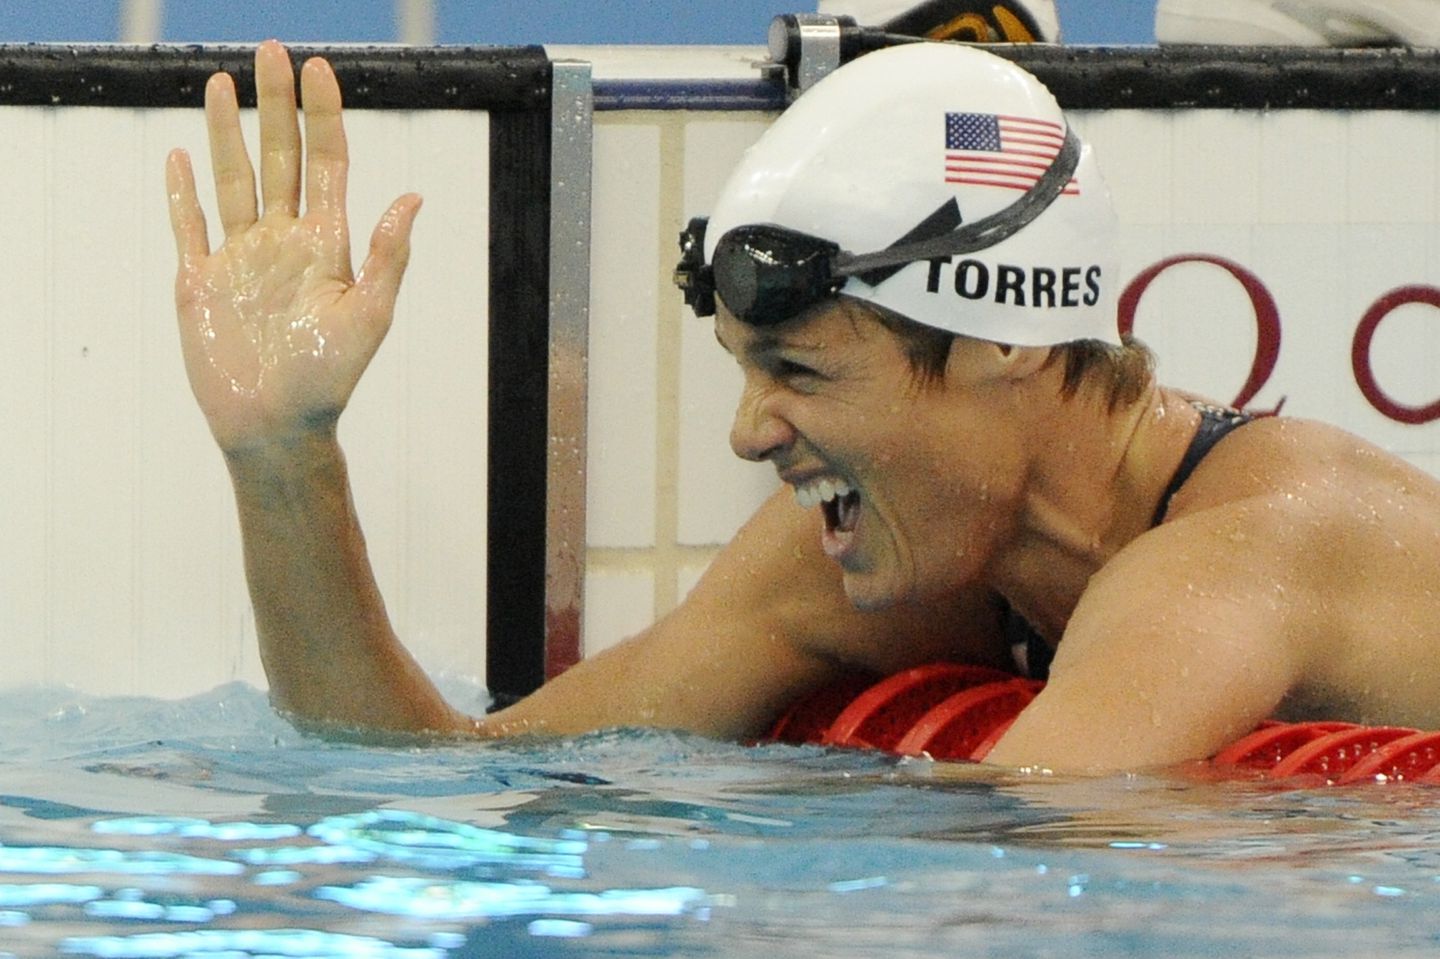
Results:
[767, 274]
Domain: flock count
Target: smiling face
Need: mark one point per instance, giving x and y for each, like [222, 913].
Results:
[902, 471]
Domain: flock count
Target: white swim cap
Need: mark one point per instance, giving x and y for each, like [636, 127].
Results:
[918, 132]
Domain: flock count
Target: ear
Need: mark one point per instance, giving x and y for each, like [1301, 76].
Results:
[1020, 362]
[974, 361]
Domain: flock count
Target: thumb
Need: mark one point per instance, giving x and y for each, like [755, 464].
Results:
[378, 283]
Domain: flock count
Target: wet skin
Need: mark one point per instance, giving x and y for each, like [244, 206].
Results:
[830, 395]
[275, 328]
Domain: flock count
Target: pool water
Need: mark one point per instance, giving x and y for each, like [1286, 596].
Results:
[210, 827]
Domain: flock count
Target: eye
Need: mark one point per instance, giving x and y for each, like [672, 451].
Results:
[789, 369]
[796, 376]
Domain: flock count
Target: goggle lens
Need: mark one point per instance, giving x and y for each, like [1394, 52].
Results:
[766, 274]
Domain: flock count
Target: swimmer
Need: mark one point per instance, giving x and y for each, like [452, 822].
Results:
[979, 468]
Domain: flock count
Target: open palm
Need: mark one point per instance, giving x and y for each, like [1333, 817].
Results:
[275, 329]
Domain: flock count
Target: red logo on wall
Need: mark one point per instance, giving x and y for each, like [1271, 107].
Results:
[1267, 332]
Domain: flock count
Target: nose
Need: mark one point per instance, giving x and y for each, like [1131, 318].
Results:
[759, 431]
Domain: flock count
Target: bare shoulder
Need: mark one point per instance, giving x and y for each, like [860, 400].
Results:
[1312, 462]
[1312, 498]
[1326, 544]
[1285, 574]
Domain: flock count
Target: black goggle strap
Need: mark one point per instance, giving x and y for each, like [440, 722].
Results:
[983, 233]
[945, 219]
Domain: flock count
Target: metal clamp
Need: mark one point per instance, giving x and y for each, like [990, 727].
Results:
[808, 46]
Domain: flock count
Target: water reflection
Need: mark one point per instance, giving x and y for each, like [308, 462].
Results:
[240, 944]
[488, 900]
[435, 843]
[387, 839]
[54, 860]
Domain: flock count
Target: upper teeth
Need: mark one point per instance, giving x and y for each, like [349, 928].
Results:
[820, 491]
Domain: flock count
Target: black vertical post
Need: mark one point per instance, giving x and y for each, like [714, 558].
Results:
[519, 361]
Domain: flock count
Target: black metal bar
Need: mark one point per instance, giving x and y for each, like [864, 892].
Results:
[516, 78]
[498, 79]
[519, 359]
[1105, 78]
[1237, 78]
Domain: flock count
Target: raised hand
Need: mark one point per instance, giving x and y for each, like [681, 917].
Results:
[275, 327]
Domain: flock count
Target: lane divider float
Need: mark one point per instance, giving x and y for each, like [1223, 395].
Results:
[950, 711]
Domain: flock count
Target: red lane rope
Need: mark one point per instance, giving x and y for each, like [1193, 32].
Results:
[883, 714]
[1410, 757]
[960, 723]
[1271, 743]
[949, 711]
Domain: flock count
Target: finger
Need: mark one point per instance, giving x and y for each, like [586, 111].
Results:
[234, 177]
[279, 130]
[378, 284]
[327, 156]
[187, 218]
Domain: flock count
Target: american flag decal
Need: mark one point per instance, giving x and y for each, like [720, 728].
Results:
[985, 149]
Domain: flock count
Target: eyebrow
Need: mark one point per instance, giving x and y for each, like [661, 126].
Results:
[765, 342]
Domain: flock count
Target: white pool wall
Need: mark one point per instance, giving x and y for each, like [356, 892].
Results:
[119, 558]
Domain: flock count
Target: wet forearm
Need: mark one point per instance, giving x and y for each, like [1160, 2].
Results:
[325, 638]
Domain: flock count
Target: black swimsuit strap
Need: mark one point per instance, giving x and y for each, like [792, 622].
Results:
[1215, 424]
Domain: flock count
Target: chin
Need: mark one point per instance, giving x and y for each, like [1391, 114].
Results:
[868, 596]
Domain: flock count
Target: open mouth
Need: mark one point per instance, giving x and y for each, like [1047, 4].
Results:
[839, 503]
[842, 512]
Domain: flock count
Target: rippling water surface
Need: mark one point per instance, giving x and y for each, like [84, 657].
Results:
[209, 827]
